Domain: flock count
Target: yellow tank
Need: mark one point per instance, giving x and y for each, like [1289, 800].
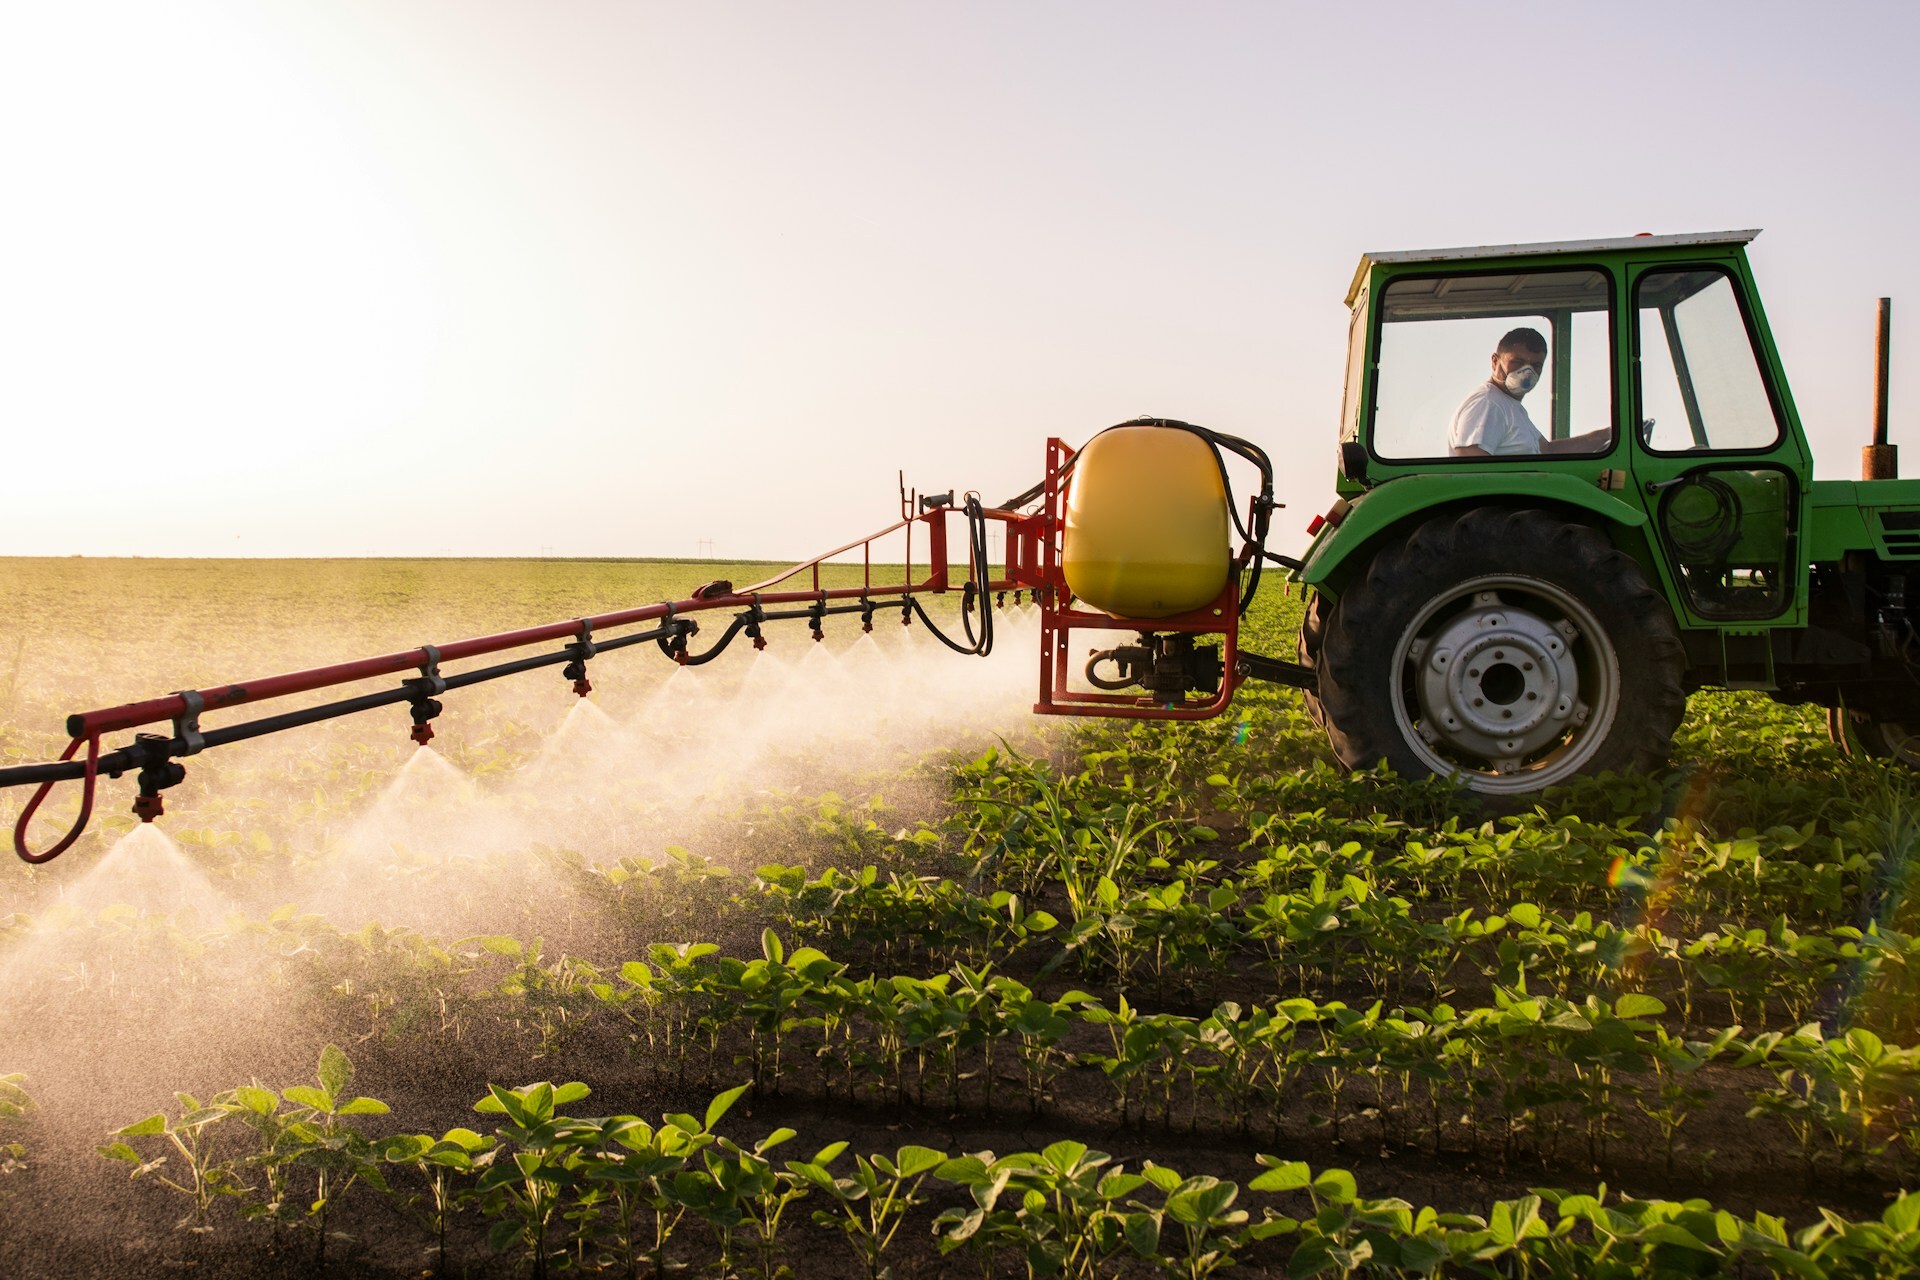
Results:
[1146, 533]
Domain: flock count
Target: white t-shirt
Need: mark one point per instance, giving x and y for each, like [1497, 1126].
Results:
[1496, 422]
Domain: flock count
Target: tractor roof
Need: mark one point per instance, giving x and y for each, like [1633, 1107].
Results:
[1583, 247]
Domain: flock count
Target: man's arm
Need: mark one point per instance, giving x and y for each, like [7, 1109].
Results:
[1586, 442]
[1470, 451]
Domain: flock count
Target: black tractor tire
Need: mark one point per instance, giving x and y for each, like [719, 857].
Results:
[1313, 625]
[1511, 649]
[1861, 736]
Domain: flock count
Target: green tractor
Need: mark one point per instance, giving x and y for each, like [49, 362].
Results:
[1514, 610]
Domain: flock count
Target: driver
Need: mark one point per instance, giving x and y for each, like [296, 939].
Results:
[1492, 422]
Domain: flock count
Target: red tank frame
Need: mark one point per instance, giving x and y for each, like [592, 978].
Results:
[1059, 620]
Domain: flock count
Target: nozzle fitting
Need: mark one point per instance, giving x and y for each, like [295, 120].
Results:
[424, 710]
[155, 778]
[576, 671]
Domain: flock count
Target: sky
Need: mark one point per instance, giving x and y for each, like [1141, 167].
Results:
[586, 278]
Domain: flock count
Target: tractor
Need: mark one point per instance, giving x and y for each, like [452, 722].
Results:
[1514, 620]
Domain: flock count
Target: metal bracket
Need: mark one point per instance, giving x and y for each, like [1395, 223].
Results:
[430, 681]
[187, 727]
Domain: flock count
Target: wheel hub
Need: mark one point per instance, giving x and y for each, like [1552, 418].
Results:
[1497, 682]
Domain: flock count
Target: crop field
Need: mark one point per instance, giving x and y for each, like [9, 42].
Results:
[833, 961]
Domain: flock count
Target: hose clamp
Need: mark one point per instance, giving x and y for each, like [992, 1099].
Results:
[186, 727]
[430, 682]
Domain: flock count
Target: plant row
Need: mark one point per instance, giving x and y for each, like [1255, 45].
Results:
[1533, 1070]
[619, 1193]
[1185, 934]
[1527, 1072]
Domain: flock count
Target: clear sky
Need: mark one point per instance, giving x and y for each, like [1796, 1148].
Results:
[595, 278]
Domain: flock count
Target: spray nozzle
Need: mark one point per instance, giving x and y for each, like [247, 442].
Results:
[866, 615]
[581, 649]
[816, 620]
[156, 776]
[424, 710]
[576, 671]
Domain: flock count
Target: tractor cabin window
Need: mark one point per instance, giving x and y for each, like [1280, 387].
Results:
[1700, 383]
[1501, 366]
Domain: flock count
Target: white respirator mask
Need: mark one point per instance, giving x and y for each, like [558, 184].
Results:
[1522, 380]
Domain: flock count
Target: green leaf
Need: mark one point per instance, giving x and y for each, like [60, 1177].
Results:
[119, 1151]
[1336, 1185]
[914, 1161]
[1635, 1005]
[722, 1103]
[336, 1072]
[143, 1128]
[306, 1095]
[1291, 1176]
[1142, 1232]
[1675, 1234]
[571, 1091]
[1165, 1179]
[770, 946]
[365, 1107]
[1903, 1215]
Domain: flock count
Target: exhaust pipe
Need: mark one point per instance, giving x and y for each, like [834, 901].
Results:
[1880, 460]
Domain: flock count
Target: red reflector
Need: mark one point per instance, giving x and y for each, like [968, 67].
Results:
[1315, 525]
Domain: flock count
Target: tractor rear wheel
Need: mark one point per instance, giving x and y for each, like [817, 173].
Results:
[1511, 649]
[1863, 737]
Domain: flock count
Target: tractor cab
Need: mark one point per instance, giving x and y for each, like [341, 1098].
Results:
[1658, 402]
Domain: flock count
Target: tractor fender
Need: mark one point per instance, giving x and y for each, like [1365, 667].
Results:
[1399, 503]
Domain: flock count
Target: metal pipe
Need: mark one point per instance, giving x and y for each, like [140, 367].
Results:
[1880, 346]
[1880, 460]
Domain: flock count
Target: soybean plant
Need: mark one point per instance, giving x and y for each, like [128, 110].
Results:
[318, 1136]
[528, 1190]
[457, 1151]
[204, 1176]
[870, 1205]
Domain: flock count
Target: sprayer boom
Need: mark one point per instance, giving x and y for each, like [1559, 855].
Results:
[794, 595]
[1149, 507]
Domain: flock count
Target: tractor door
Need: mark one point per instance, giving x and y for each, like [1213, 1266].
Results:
[1713, 458]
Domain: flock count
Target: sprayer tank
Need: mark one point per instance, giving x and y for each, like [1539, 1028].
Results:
[1146, 529]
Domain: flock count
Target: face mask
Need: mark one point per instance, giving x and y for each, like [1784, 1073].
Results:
[1523, 380]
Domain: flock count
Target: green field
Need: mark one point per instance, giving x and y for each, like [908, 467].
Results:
[1079, 998]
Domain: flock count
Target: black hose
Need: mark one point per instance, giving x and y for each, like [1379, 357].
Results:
[979, 573]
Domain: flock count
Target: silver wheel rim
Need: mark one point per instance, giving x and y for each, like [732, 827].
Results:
[1507, 681]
